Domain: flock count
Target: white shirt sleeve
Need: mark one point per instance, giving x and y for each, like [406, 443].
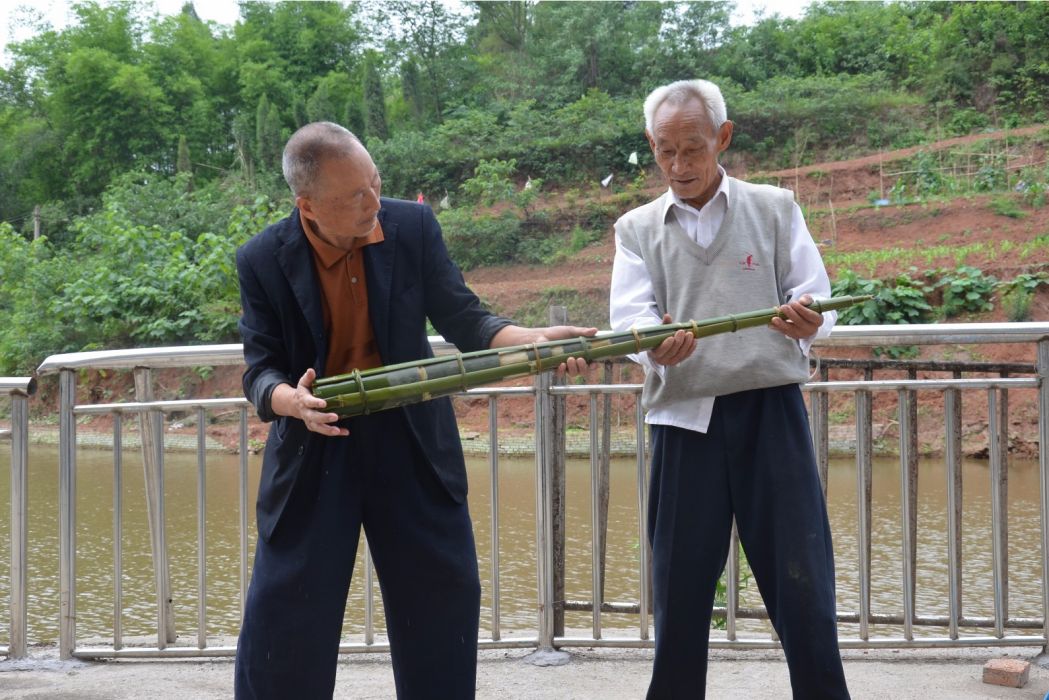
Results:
[807, 274]
[632, 301]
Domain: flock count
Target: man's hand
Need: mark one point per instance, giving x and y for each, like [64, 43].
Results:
[674, 349]
[299, 402]
[801, 322]
[516, 335]
[573, 366]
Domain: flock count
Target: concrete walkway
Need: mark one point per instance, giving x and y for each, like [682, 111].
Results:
[600, 674]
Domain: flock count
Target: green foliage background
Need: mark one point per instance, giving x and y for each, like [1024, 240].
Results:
[151, 144]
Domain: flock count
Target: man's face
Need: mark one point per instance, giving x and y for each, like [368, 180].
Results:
[686, 147]
[344, 199]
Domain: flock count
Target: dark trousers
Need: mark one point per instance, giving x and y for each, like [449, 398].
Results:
[755, 463]
[423, 548]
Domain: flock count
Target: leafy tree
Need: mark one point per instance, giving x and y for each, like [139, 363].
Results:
[299, 41]
[991, 55]
[432, 33]
[579, 46]
[500, 39]
[195, 68]
[690, 37]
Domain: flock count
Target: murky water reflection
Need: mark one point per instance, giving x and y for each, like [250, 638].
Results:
[517, 544]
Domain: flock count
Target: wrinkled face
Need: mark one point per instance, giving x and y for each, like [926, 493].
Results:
[344, 199]
[686, 147]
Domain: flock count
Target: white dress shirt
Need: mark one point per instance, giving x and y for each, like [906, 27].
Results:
[633, 302]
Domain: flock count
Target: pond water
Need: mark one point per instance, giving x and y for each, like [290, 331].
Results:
[94, 566]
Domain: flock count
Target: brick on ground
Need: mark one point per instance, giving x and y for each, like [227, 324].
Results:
[1011, 673]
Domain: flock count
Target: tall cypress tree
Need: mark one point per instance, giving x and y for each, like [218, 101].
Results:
[353, 116]
[410, 89]
[374, 101]
[182, 162]
[267, 135]
[320, 107]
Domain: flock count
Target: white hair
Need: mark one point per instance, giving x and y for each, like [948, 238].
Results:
[308, 147]
[681, 92]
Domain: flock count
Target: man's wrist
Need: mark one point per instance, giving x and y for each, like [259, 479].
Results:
[282, 400]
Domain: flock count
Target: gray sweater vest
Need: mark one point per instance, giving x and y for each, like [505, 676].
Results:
[742, 270]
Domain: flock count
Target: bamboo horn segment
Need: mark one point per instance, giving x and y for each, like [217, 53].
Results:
[362, 392]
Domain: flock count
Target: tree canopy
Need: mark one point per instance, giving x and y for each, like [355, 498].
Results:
[119, 88]
[124, 108]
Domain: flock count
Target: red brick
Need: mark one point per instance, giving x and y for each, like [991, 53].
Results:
[1011, 673]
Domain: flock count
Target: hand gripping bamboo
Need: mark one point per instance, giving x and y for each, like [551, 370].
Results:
[367, 391]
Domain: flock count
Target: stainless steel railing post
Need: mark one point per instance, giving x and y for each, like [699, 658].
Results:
[152, 431]
[493, 466]
[544, 510]
[19, 515]
[1043, 476]
[67, 513]
[907, 525]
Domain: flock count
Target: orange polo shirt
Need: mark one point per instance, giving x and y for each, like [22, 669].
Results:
[344, 302]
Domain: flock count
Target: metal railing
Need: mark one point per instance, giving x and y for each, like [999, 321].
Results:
[1028, 630]
[18, 389]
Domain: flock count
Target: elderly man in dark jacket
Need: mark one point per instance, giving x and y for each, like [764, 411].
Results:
[348, 281]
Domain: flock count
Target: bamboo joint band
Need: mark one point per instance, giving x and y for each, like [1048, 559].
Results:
[538, 359]
[361, 391]
[462, 369]
[637, 340]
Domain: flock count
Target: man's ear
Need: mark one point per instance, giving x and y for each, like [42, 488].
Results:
[725, 135]
[305, 206]
[651, 141]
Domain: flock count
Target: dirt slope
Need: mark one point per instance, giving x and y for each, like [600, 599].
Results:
[837, 197]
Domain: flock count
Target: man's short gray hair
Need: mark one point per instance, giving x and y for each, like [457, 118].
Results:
[308, 147]
[681, 92]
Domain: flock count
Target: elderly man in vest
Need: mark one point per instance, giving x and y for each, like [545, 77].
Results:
[729, 430]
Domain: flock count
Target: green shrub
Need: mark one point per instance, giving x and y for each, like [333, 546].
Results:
[118, 284]
[903, 301]
[1017, 305]
[967, 290]
[966, 121]
[580, 238]
[474, 240]
[491, 182]
[1007, 206]
[1018, 293]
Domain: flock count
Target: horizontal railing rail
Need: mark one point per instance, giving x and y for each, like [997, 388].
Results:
[1026, 627]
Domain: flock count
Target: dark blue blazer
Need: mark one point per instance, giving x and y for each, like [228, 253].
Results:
[410, 278]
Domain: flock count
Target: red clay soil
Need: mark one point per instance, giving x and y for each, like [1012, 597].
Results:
[836, 199]
[845, 188]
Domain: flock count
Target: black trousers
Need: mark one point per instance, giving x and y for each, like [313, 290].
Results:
[755, 463]
[423, 548]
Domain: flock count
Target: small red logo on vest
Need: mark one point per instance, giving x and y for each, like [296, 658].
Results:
[749, 264]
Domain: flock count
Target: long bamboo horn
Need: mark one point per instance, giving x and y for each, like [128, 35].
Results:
[367, 391]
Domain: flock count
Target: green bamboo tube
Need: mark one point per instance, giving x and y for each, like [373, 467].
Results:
[382, 388]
